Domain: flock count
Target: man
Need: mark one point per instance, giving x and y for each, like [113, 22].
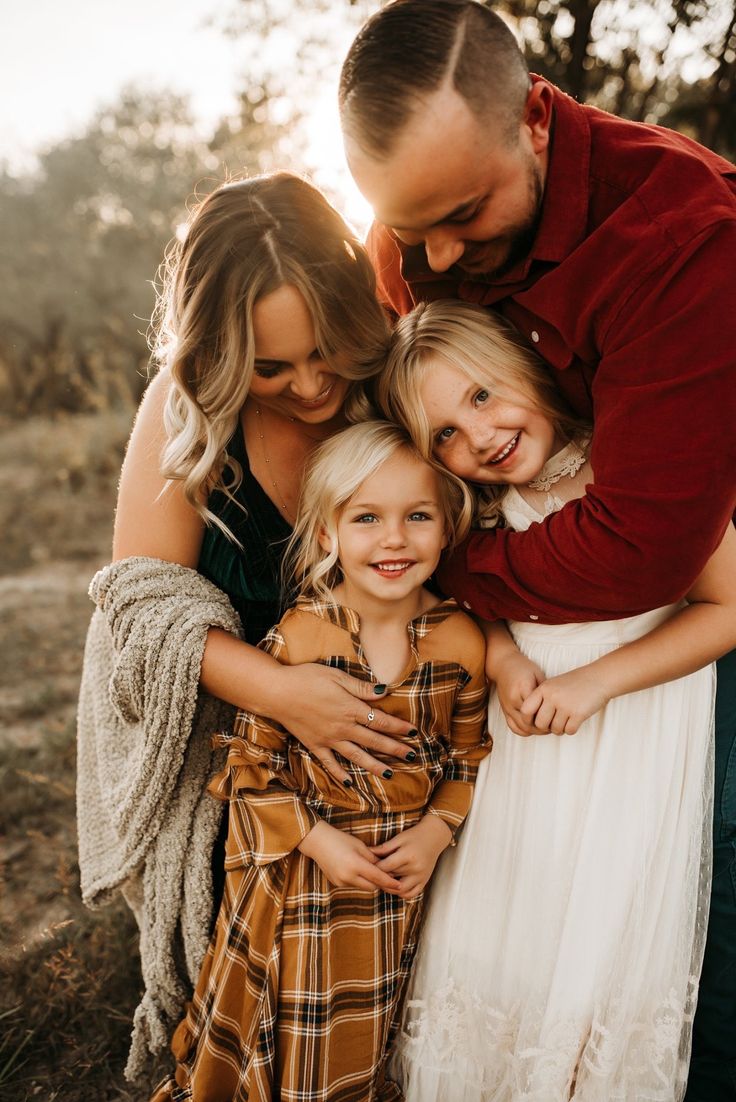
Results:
[612, 247]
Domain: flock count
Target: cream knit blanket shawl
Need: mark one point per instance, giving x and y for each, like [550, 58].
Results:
[146, 824]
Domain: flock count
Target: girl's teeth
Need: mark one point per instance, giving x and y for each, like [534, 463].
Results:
[506, 450]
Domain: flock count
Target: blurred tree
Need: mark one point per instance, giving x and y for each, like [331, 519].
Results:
[81, 240]
[663, 61]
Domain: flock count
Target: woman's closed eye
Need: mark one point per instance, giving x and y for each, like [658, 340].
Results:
[268, 370]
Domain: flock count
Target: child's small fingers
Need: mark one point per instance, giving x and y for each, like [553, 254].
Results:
[380, 879]
[531, 705]
[385, 848]
[391, 864]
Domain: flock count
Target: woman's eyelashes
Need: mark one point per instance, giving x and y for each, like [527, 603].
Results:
[270, 369]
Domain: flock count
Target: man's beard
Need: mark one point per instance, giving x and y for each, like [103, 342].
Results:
[521, 238]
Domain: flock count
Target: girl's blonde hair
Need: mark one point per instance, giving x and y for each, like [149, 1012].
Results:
[334, 473]
[243, 241]
[488, 351]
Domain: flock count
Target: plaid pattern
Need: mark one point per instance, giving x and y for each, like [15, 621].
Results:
[299, 996]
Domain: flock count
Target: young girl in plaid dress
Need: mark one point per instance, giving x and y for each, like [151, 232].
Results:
[301, 989]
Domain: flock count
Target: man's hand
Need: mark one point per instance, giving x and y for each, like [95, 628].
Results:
[412, 854]
[562, 703]
[346, 861]
[516, 678]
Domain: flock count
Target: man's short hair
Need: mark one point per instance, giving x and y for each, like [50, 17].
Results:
[410, 48]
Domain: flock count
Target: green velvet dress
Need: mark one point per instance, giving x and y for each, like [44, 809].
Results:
[250, 576]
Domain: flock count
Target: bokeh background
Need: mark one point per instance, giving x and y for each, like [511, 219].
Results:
[113, 119]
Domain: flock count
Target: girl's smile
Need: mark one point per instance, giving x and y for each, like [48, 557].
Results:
[390, 535]
[481, 436]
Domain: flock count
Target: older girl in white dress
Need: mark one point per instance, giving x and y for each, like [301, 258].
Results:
[565, 933]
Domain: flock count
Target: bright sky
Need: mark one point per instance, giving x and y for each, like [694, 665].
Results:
[61, 59]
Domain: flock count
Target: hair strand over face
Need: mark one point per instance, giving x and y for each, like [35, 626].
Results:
[243, 241]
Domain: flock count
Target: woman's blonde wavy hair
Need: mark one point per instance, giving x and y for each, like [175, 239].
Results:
[243, 241]
[334, 473]
[486, 349]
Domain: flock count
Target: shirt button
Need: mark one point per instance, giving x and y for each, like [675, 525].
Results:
[533, 616]
[535, 336]
[466, 604]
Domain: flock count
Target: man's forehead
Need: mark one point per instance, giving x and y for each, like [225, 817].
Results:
[416, 191]
[436, 169]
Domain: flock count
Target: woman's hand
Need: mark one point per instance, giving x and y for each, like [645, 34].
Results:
[345, 860]
[412, 854]
[562, 703]
[328, 712]
[516, 678]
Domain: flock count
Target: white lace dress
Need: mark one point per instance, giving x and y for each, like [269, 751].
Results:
[564, 934]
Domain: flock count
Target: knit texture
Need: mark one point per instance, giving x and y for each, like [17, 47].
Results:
[146, 824]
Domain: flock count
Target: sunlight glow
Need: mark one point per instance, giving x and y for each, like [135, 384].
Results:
[327, 166]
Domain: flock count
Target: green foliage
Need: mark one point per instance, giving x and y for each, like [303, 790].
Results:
[81, 240]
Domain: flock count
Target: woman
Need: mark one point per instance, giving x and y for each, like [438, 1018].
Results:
[267, 323]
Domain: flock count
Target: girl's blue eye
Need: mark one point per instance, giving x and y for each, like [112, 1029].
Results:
[419, 516]
[444, 435]
[365, 518]
[481, 397]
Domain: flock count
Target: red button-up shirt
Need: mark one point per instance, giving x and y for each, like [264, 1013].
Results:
[629, 294]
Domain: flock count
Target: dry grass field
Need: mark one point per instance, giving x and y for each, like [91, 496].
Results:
[69, 978]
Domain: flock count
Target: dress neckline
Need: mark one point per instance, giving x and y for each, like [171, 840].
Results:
[563, 464]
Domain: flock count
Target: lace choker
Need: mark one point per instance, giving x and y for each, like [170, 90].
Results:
[562, 464]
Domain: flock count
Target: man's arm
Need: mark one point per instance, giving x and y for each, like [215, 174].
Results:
[664, 461]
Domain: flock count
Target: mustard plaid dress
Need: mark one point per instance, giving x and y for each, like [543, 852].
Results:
[300, 992]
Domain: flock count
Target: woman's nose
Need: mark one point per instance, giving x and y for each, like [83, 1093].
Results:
[307, 382]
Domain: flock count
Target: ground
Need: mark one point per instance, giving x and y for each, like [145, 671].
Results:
[69, 978]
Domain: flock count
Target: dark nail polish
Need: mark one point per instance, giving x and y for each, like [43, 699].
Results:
[411, 756]
[348, 783]
[378, 689]
[388, 774]
[413, 733]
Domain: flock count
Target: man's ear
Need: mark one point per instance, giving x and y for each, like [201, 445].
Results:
[538, 115]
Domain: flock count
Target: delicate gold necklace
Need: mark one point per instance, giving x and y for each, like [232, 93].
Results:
[267, 460]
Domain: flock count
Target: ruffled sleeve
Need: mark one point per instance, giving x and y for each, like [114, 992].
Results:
[469, 744]
[268, 817]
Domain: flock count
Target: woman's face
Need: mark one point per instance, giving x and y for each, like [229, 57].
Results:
[291, 377]
[483, 437]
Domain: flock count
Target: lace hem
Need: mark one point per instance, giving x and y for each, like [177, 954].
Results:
[464, 1048]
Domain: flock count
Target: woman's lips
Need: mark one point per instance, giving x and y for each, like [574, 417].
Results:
[322, 398]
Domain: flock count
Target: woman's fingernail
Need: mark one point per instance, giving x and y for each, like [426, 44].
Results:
[378, 689]
[348, 783]
[413, 733]
[388, 774]
[411, 756]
